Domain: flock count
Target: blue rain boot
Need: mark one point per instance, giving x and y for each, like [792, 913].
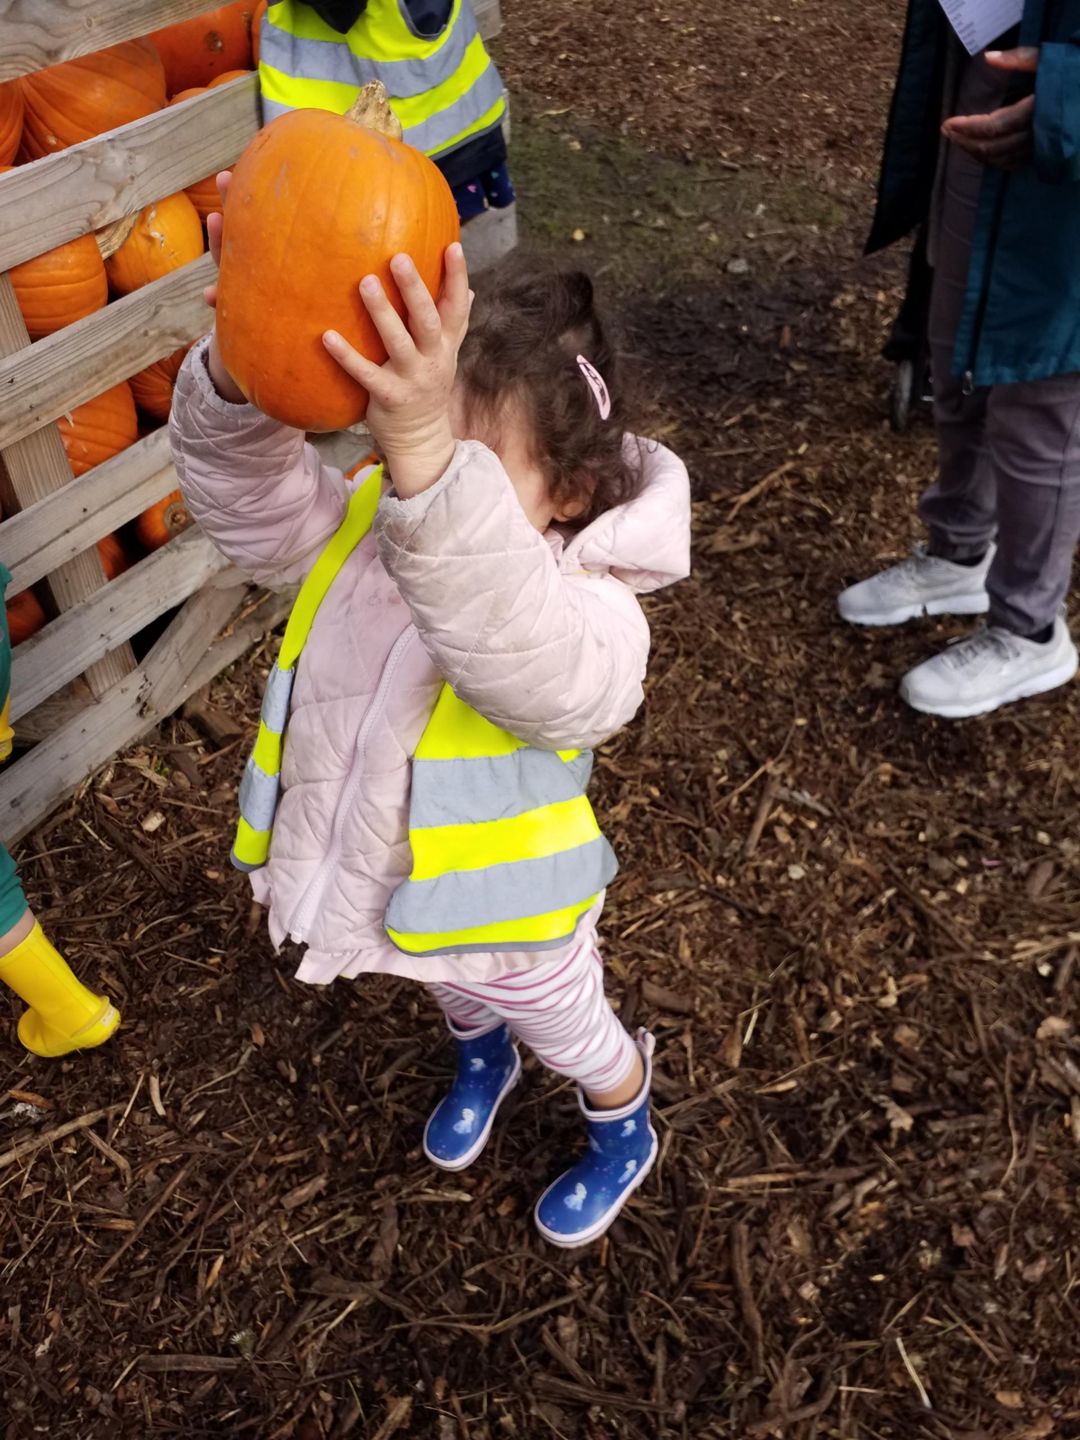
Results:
[488, 1068]
[581, 1204]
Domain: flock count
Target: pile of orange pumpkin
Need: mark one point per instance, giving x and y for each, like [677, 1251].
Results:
[51, 109]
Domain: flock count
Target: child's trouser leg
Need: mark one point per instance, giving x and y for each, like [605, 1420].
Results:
[561, 1012]
[63, 1015]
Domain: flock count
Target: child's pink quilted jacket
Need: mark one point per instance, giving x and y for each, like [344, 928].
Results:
[542, 635]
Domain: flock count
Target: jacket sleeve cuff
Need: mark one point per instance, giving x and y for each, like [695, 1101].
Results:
[399, 520]
[193, 384]
[1057, 113]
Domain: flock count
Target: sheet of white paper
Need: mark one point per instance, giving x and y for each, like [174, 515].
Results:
[980, 22]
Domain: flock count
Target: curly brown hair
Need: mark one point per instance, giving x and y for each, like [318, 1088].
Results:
[528, 326]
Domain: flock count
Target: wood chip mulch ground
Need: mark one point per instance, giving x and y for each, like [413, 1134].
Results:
[854, 931]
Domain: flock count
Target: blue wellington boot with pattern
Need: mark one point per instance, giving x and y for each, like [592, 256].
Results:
[488, 1068]
[581, 1204]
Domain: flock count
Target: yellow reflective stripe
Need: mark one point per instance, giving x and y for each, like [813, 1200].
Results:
[251, 846]
[357, 522]
[456, 732]
[487, 121]
[267, 751]
[567, 755]
[483, 844]
[536, 930]
[305, 94]
[418, 108]
[380, 34]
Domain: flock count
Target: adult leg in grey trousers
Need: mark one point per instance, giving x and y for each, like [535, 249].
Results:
[1009, 456]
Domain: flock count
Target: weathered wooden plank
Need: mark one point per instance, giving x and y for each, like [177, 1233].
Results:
[180, 663]
[89, 185]
[35, 467]
[36, 33]
[77, 363]
[54, 530]
[42, 664]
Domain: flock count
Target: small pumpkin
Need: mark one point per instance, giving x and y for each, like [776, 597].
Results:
[204, 193]
[195, 51]
[61, 286]
[256, 30]
[161, 522]
[153, 387]
[317, 202]
[228, 76]
[99, 429]
[11, 120]
[25, 617]
[85, 97]
[114, 558]
[166, 236]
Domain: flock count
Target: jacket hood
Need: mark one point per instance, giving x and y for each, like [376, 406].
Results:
[646, 542]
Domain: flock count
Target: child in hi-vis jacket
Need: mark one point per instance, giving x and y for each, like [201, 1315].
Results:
[459, 645]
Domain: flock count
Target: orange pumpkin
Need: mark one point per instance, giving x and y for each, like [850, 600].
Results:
[204, 193]
[196, 50]
[99, 429]
[25, 617]
[82, 98]
[228, 75]
[167, 235]
[153, 387]
[157, 526]
[114, 558]
[11, 120]
[256, 31]
[317, 202]
[61, 286]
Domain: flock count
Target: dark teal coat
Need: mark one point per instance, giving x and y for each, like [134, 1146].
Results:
[1022, 318]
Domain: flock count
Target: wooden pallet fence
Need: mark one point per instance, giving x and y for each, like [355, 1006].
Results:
[76, 686]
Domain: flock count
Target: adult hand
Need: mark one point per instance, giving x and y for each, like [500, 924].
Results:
[409, 409]
[1005, 137]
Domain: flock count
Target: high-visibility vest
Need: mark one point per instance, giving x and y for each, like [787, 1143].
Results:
[444, 88]
[506, 851]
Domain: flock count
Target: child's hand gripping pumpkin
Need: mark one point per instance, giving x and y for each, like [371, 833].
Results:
[225, 385]
[409, 410]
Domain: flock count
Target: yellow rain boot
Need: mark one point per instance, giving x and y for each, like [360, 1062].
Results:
[63, 1015]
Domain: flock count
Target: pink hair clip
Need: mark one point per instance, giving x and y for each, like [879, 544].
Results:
[595, 382]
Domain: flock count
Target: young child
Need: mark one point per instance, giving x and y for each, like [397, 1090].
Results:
[63, 1015]
[430, 56]
[470, 651]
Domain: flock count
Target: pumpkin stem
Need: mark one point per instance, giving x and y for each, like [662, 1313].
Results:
[371, 108]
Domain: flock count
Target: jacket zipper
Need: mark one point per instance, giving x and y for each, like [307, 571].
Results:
[305, 910]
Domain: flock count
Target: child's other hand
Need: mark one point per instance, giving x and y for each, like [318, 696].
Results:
[409, 410]
[224, 384]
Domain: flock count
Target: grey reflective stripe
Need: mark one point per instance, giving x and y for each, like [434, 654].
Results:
[258, 797]
[334, 61]
[492, 787]
[276, 697]
[465, 899]
[437, 133]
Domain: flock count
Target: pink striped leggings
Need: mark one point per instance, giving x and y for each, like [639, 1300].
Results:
[558, 1009]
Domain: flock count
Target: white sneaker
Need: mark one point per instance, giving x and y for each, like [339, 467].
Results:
[920, 585]
[990, 668]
